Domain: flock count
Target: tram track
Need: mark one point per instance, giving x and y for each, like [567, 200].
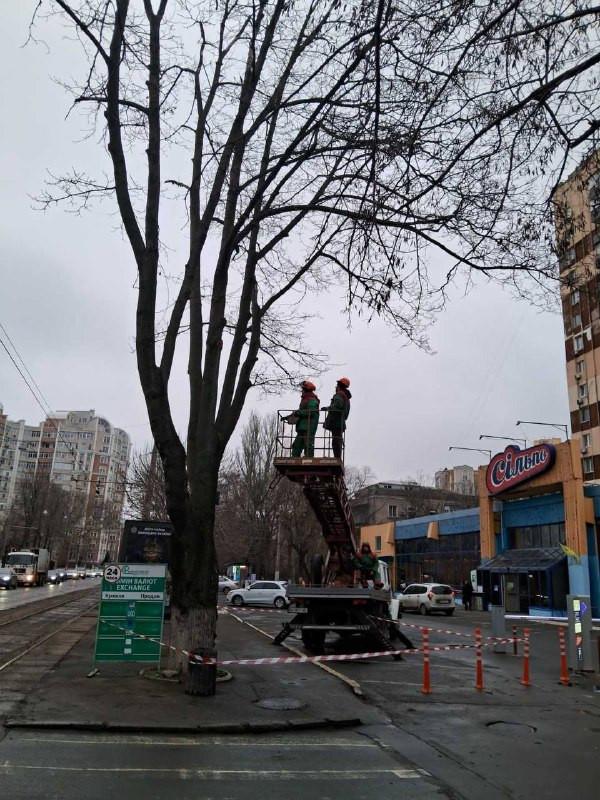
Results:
[26, 638]
[36, 607]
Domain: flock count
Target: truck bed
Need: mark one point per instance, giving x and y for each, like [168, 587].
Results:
[337, 593]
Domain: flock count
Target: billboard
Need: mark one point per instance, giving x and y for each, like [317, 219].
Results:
[146, 542]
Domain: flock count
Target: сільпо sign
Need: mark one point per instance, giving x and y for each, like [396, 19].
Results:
[132, 602]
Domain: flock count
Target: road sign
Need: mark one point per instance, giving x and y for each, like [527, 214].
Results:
[132, 601]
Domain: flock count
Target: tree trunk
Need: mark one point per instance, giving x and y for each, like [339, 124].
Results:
[194, 572]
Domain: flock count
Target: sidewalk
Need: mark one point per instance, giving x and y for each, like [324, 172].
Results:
[119, 698]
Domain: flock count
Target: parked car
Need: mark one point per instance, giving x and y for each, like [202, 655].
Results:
[8, 578]
[72, 574]
[54, 576]
[226, 584]
[62, 571]
[427, 598]
[260, 593]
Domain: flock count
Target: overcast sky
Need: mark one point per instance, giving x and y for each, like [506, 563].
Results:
[67, 299]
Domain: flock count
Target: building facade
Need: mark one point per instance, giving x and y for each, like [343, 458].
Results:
[577, 219]
[459, 479]
[533, 539]
[83, 454]
[382, 502]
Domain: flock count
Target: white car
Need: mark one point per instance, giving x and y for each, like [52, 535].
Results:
[226, 584]
[427, 598]
[260, 593]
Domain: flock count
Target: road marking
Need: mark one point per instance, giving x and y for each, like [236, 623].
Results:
[224, 774]
[228, 742]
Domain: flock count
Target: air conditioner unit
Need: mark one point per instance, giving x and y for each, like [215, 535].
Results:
[578, 375]
[580, 401]
[583, 449]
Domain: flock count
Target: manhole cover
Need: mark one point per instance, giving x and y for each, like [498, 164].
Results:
[280, 703]
[507, 728]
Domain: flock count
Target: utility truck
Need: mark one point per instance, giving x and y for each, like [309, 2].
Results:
[31, 566]
[337, 601]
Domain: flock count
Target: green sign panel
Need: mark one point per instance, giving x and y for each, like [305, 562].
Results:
[132, 602]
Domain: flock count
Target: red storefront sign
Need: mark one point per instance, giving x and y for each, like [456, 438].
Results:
[515, 466]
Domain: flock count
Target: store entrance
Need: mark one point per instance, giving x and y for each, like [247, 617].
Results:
[516, 594]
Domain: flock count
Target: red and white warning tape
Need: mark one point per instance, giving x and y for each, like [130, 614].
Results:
[299, 659]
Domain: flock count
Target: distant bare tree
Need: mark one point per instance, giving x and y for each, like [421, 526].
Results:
[145, 486]
[388, 145]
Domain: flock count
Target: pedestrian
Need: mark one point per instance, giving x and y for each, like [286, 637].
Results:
[307, 421]
[467, 595]
[368, 565]
[337, 414]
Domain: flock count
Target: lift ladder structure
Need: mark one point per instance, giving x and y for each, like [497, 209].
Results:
[323, 484]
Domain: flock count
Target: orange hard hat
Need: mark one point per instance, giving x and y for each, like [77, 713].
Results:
[344, 381]
[308, 385]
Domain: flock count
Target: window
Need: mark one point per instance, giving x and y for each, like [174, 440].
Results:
[588, 465]
[576, 320]
[378, 543]
[392, 511]
[580, 366]
[574, 297]
[586, 440]
[582, 390]
[538, 536]
[578, 343]
[584, 415]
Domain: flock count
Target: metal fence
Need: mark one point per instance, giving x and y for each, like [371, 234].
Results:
[313, 440]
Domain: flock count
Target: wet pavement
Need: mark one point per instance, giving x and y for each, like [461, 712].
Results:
[16, 598]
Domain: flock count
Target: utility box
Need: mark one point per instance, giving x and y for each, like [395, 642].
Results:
[582, 657]
[498, 618]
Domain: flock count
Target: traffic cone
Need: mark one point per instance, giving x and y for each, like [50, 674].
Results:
[525, 680]
[564, 672]
[426, 688]
[478, 661]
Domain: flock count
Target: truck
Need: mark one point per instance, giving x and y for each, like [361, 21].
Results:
[31, 566]
[336, 602]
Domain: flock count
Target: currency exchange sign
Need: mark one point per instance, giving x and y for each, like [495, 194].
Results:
[132, 602]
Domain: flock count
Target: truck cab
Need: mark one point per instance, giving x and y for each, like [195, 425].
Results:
[30, 566]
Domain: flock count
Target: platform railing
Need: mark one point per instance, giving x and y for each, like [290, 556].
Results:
[293, 444]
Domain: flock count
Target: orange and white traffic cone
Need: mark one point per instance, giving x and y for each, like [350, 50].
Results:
[478, 661]
[426, 688]
[564, 672]
[525, 680]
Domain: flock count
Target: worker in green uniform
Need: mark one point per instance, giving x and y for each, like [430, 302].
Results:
[337, 414]
[307, 416]
[368, 565]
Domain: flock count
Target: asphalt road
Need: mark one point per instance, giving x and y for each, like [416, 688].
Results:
[320, 766]
[29, 594]
[507, 741]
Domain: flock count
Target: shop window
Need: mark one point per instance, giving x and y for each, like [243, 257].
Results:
[529, 536]
[538, 589]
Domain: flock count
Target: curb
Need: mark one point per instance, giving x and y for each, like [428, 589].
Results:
[215, 728]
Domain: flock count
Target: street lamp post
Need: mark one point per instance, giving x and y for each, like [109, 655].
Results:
[506, 438]
[558, 425]
[474, 449]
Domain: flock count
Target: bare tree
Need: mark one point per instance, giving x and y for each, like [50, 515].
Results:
[326, 141]
[145, 486]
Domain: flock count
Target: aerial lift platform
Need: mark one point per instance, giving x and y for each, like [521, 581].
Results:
[334, 602]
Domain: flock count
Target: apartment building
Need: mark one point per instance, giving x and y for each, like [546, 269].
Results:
[460, 479]
[82, 453]
[577, 219]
